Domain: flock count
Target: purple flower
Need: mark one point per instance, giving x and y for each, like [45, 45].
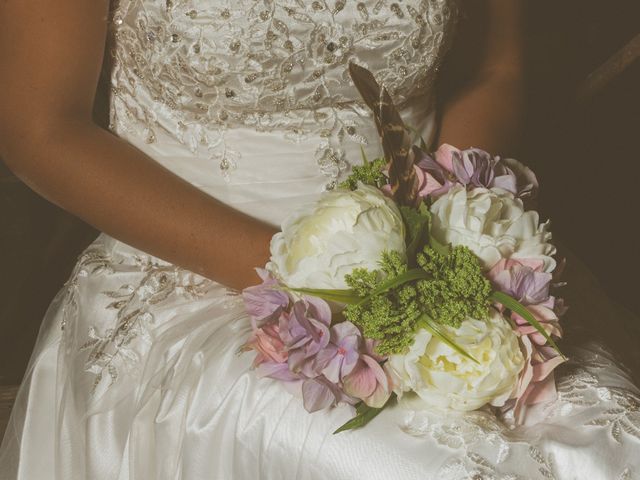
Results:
[473, 168]
[264, 302]
[522, 279]
[341, 355]
[305, 332]
[434, 178]
[277, 371]
[368, 381]
[477, 168]
[526, 180]
[319, 393]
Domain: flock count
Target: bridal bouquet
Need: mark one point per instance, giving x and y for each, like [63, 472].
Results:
[422, 275]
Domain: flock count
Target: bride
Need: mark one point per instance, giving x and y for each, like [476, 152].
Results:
[225, 116]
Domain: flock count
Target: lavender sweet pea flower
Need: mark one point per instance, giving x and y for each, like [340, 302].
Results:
[434, 178]
[268, 345]
[277, 371]
[474, 167]
[264, 302]
[319, 393]
[305, 332]
[524, 280]
[271, 354]
[526, 180]
[341, 355]
[369, 382]
[536, 383]
[477, 168]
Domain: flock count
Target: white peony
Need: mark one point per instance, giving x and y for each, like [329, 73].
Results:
[444, 378]
[493, 224]
[343, 230]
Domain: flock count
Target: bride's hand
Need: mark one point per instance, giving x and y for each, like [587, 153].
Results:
[48, 138]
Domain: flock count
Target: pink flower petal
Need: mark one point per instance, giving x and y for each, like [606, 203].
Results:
[378, 398]
[543, 370]
[377, 370]
[444, 156]
[316, 395]
[277, 371]
[361, 382]
[542, 391]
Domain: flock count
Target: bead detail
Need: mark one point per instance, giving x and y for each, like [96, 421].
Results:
[273, 65]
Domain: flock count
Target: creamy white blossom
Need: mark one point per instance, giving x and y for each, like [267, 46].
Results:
[493, 224]
[343, 230]
[442, 377]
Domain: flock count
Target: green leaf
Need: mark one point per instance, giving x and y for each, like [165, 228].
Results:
[417, 223]
[437, 331]
[515, 306]
[364, 414]
[342, 296]
[365, 160]
[408, 276]
[440, 248]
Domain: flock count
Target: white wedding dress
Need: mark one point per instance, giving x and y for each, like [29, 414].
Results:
[136, 373]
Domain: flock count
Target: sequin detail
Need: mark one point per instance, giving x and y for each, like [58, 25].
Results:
[197, 69]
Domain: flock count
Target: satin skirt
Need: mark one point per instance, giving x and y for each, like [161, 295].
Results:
[137, 374]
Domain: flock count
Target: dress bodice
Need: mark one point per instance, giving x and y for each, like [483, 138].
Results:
[196, 73]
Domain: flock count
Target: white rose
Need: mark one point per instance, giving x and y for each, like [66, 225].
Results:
[343, 230]
[444, 378]
[493, 224]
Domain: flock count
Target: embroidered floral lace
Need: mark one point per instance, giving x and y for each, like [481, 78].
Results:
[273, 65]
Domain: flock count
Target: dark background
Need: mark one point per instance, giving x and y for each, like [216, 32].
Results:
[586, 154]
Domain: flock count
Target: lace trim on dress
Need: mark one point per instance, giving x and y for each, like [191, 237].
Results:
[132, 308]
[484, 442]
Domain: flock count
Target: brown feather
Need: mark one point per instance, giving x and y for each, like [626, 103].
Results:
[396, 141]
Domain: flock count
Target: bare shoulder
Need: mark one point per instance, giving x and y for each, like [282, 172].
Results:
[489, 38]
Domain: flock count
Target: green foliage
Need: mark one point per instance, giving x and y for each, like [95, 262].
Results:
[457, 290]
[391, 316]
[364, 414]
[449, 289]
[417, 223]
[370, 173]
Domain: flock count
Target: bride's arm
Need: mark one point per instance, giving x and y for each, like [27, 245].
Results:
[50, 59]
[482, 80]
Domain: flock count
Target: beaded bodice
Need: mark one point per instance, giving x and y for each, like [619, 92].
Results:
[206, 66]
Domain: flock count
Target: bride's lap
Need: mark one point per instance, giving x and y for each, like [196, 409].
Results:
[150, 384]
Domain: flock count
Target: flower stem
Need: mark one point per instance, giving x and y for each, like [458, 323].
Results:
[341, 296]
